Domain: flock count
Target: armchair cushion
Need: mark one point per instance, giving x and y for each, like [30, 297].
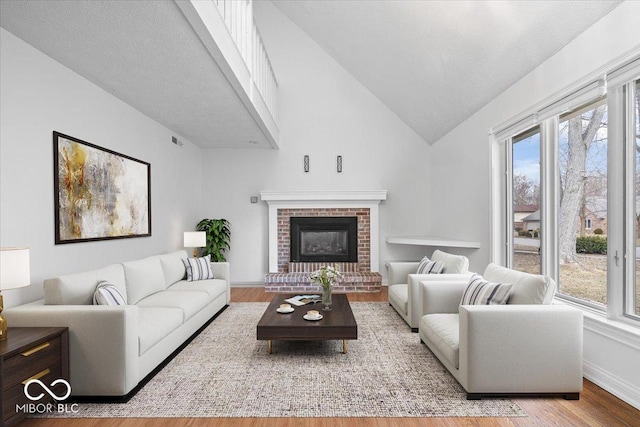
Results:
[482, 292]
[443, 331]
[452, 263]
[426, 266]
[527, 288]
[399, 296]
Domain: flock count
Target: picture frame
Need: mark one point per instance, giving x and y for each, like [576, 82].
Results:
[99, 194]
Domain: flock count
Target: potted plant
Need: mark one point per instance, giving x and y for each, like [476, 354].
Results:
[218, 238]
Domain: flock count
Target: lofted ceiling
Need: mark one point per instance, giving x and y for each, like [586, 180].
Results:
[433, 63]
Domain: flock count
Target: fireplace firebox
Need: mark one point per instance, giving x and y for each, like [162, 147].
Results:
[324, 239]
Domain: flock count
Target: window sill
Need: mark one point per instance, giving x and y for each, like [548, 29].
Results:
[596, 321]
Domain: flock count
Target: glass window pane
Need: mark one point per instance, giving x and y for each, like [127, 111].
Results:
[526, 202]
[583, 201]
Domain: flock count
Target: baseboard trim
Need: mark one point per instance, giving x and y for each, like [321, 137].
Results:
[613, 384]
[145, 380]
[248, 285]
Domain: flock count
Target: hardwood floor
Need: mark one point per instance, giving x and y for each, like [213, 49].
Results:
[596, 407]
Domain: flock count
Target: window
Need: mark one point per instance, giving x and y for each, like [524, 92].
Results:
[526, 201]
[582, 156]
[568, 205]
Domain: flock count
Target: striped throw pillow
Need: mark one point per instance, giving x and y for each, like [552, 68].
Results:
[481, 292]
[108, 294]
[427, 266]
[198, 268]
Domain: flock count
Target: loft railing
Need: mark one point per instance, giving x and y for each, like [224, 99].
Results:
[238, 17]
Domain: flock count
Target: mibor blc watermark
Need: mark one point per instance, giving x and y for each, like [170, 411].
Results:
[56, 407]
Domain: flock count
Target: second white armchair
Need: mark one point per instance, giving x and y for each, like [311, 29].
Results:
[404, 283]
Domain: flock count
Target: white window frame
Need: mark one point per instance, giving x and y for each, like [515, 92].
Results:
[619, 86]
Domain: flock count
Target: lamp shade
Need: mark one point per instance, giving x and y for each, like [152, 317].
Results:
[14, 268]
[195, 239]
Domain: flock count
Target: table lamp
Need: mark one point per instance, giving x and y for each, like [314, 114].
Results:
[14, 273]
[195, 240]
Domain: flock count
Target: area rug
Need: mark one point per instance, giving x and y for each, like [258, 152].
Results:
[226, 372]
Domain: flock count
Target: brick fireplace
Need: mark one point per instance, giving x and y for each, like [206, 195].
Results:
[287, 276]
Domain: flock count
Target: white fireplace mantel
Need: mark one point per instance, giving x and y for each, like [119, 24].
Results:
[323, 199]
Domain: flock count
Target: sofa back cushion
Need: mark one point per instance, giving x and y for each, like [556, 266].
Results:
[173, 267]
[527, 288]
[78, 288]
[453, 264]
[143, 277]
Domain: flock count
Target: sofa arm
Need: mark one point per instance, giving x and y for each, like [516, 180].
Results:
[103, 343]
[520, 349]
[442, 295]
[221, 270]
[397, 271]
[414, 290]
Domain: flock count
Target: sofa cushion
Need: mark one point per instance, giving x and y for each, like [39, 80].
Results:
[399, 295]
[213, 287]
[154, 324]
[482, 292]
[172, 267]
[144, 277]
[189, 302]
[443, 330]
[426, 266]
[453, 264]
[108, 294]
[78, 288]
[527, 288]
[198, 268]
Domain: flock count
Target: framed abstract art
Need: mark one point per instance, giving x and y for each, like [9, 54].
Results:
[99, 194]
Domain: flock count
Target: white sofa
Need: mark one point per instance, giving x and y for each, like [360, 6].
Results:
[404, 284]
[527, 346]
[113, 348]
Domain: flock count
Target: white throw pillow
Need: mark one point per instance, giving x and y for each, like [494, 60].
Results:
[108, 294]
[198, 268]
[481, 292]
[426, 266]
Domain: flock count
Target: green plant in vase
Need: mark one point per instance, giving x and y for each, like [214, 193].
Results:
[326, 277]
[218, 238]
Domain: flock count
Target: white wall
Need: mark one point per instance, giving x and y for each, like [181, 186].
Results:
[467, 169]
[324, 112]
[37, 96]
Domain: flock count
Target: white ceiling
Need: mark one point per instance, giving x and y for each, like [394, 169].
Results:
[434, 63]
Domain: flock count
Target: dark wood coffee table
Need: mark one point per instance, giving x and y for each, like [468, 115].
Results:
[337, 324]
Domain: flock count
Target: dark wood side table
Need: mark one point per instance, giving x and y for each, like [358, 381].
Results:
[26, 354]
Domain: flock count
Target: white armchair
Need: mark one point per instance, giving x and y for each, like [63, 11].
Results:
[526, 347]
[404, 284]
